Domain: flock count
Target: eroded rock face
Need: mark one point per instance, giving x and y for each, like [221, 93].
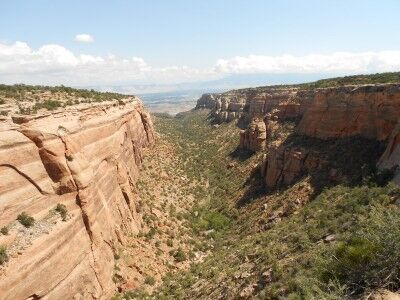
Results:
[345, 160]
[390, 159]
[368, 111]
[206, 101]
[255, 136]
[88, 159]
[255, 103]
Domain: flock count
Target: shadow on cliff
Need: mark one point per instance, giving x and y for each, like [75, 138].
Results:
[349, 161]
[241, 154]
[254, 188]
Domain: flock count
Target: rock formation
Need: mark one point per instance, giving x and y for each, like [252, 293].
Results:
[206, 101]
[366, 111]
[253, 103]
[86, 157]
[255, 136]
[370, 111]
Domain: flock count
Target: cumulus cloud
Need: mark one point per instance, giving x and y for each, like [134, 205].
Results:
[338, 62]
[54, 64]
[84, 38]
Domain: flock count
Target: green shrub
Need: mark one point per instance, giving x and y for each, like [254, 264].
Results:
[26, 219]
[179, 255]
[69, 103]
[151, 233]
[3, 255]
[50, 104]
[208, 220]
[62, 210]
[370, 258]
[4, 230]
[149, 280]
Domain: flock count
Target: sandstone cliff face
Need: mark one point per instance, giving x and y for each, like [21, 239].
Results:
[88, 159]
[255, 136]
[369, 111]
[206, 101]
[255, 103]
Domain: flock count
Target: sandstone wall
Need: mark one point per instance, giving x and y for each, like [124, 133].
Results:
[206, 101]
[369, 111]
[254, 137]
[255, 103]
[88, 159]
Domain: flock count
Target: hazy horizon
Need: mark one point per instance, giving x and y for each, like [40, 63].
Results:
[184, 45]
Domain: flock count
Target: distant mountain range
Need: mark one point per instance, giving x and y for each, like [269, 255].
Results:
[219, 85]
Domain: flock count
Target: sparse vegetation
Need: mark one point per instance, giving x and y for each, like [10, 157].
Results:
[62, 210]
[149, 280]
[332, 248]
[18, 91]
[390, 77]
[3, 255]
[26, 220]
[179, 255]
[47, 104]
[4, 230]
[30, 99]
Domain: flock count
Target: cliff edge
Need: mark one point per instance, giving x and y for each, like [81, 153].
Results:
[85, 159]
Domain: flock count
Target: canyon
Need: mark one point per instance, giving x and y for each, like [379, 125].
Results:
[249, 195]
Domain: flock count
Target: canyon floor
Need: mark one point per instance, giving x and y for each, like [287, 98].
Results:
[214, 233]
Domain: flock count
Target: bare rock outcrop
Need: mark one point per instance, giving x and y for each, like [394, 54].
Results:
[255, 103]
[84, 157]
[255, 136]
[206, 101]
[370, 111]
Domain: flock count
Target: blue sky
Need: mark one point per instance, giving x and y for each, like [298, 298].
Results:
[189, 38]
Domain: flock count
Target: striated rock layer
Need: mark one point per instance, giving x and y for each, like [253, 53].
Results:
[367, 111]
[88, 159]
[255, 103]
[254, 137]
[370, 112]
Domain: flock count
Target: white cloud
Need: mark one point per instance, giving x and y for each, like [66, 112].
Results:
[84, 38]
[338, 62]
[54, 64]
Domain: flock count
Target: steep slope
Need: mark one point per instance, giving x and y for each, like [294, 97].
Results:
[87, 158]
[291, 243]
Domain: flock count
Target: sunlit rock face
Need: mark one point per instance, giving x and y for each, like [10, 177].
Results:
[367, 111]
[370, 112]
[85, 157]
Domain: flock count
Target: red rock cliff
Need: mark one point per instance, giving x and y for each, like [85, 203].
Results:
[366, 111]
[87, 159]
[370, 112]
